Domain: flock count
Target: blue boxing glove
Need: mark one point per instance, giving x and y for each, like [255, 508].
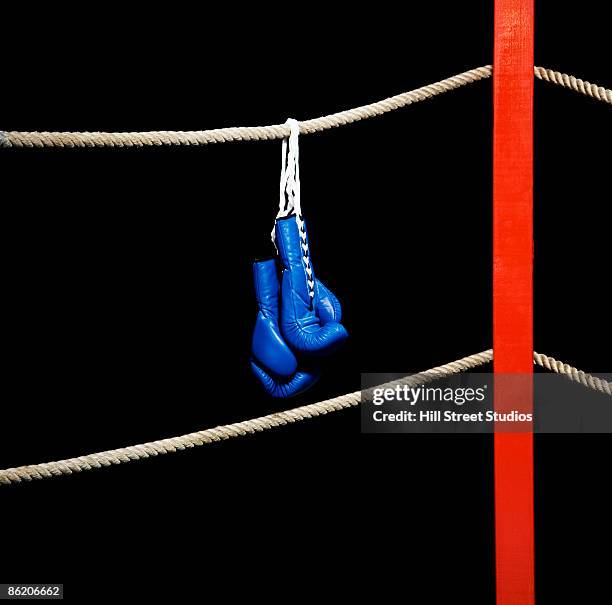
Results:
[287, 387]
[273, 362]
[310, 314]
[328, 306]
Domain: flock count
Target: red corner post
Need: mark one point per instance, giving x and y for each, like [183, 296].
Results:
[513, 295]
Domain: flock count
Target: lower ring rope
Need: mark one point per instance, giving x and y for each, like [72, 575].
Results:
[263, 423]
[282, 131]
[571, 373]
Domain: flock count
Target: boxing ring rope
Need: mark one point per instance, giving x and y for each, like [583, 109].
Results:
[281, 131]
[264, 423]
[12, 139]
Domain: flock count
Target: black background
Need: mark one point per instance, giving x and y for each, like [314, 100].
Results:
[128, 302]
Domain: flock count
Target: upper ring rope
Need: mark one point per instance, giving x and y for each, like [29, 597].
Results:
[282, 131]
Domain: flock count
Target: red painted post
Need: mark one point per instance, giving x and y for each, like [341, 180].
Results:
[513, 295]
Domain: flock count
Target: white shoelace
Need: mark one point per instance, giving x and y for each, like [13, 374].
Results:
[289, 199]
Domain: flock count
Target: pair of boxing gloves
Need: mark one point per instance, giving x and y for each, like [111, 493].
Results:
[298, 319]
